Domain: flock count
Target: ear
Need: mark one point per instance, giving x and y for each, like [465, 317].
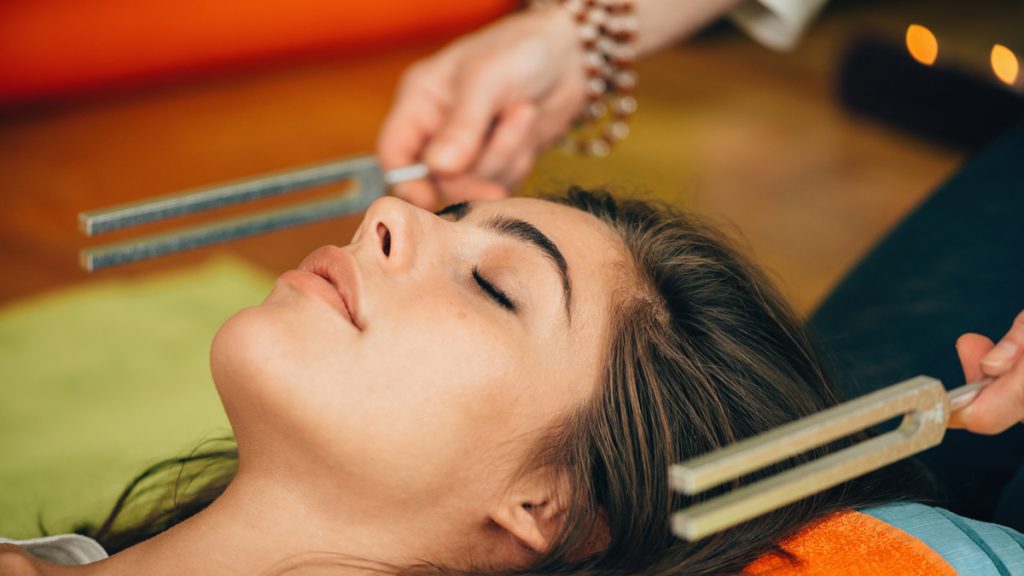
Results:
[532, 510]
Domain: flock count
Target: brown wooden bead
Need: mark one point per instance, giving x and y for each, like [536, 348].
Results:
[588, 33]
[607, 30]
[596, 109]
[606, 44]
[618, 130]
[593, 63]
[597, 18]
[623, 55]
[596, 87]
[598, 147]
[624, 80]
[620, 7]
[624, 106]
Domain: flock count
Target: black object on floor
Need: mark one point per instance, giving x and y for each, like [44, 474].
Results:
[955, 265]
[878, 78]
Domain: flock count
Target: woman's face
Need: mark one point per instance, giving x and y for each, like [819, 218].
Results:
[417, 365]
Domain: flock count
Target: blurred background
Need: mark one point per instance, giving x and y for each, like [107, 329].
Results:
[808, 158]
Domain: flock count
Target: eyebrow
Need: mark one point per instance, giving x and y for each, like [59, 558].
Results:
[523, 231]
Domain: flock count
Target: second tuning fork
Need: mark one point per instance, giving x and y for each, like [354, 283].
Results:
[370, 183]
[922, 401]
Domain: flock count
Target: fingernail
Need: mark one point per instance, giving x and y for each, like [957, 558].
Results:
[1002, 353]
[445, 156]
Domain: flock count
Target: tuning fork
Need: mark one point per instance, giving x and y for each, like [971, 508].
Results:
[922, 401]
[370, 183]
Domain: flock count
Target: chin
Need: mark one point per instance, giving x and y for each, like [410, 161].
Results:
[234, 358]
[258, 342]
[253, 360]
[245, 358]
[264, 364]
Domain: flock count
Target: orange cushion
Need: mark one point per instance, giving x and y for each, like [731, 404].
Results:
[853, 544]
[57, 46]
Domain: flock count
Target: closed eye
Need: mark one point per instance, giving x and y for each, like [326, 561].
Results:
[493, 293]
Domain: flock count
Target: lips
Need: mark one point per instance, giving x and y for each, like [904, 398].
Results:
[332, 274]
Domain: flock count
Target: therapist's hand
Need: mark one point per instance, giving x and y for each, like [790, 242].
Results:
[1001, 404]
[480, 111]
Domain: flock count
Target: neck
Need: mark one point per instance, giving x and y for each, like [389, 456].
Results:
[253, 528]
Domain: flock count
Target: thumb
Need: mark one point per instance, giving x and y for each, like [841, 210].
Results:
[460, 141]
[971, 348]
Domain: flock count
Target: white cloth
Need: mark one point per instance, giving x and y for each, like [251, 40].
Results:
[777, 24]
[66, 549]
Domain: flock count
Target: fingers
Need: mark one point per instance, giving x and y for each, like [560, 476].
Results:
[476, 104]
[435, 193]
[470, 187]
[510, 139]
[997, 407]
[1007, 352]
[971, 348]
[1001, 404]
[517, 170]
[506, 161]
[423, 193]
[418, 111]
[405, 132]
[420, 108]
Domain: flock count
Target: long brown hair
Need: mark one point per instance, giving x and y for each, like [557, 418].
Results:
[703, 352]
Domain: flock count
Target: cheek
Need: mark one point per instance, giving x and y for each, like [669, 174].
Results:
[442, 389]
[451, 359]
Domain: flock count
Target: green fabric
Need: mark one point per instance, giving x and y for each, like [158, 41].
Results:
[101, 380]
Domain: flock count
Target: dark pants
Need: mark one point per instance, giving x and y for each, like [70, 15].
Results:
[955, 265]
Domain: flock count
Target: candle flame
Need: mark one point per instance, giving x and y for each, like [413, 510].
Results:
[922, 45]
[1004, 64]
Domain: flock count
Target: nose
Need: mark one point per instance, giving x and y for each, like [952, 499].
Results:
[389, 231]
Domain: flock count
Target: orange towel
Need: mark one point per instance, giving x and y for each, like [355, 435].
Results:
[852, 544]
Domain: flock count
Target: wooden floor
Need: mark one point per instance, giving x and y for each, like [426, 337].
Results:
[725, 127]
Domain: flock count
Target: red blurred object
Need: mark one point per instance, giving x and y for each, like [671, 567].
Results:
[51, 48]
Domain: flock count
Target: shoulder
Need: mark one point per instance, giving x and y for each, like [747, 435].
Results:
[16, 562]
[970, 546]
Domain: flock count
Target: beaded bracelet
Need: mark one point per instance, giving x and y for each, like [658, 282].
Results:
[607, 30]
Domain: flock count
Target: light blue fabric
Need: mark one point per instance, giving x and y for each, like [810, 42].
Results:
[971, 547]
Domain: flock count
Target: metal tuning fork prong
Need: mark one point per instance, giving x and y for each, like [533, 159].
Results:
[370, 184]
[922, 400]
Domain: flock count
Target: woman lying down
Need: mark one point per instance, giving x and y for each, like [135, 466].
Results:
[500, 388]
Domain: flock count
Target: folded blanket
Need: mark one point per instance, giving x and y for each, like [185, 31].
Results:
[852, 544]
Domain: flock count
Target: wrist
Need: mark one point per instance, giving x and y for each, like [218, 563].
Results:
[604, 33]
[559, 27]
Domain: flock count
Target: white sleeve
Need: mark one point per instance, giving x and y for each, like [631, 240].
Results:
[777, 24]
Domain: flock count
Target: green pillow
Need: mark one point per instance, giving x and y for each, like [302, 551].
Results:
[104, 378]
